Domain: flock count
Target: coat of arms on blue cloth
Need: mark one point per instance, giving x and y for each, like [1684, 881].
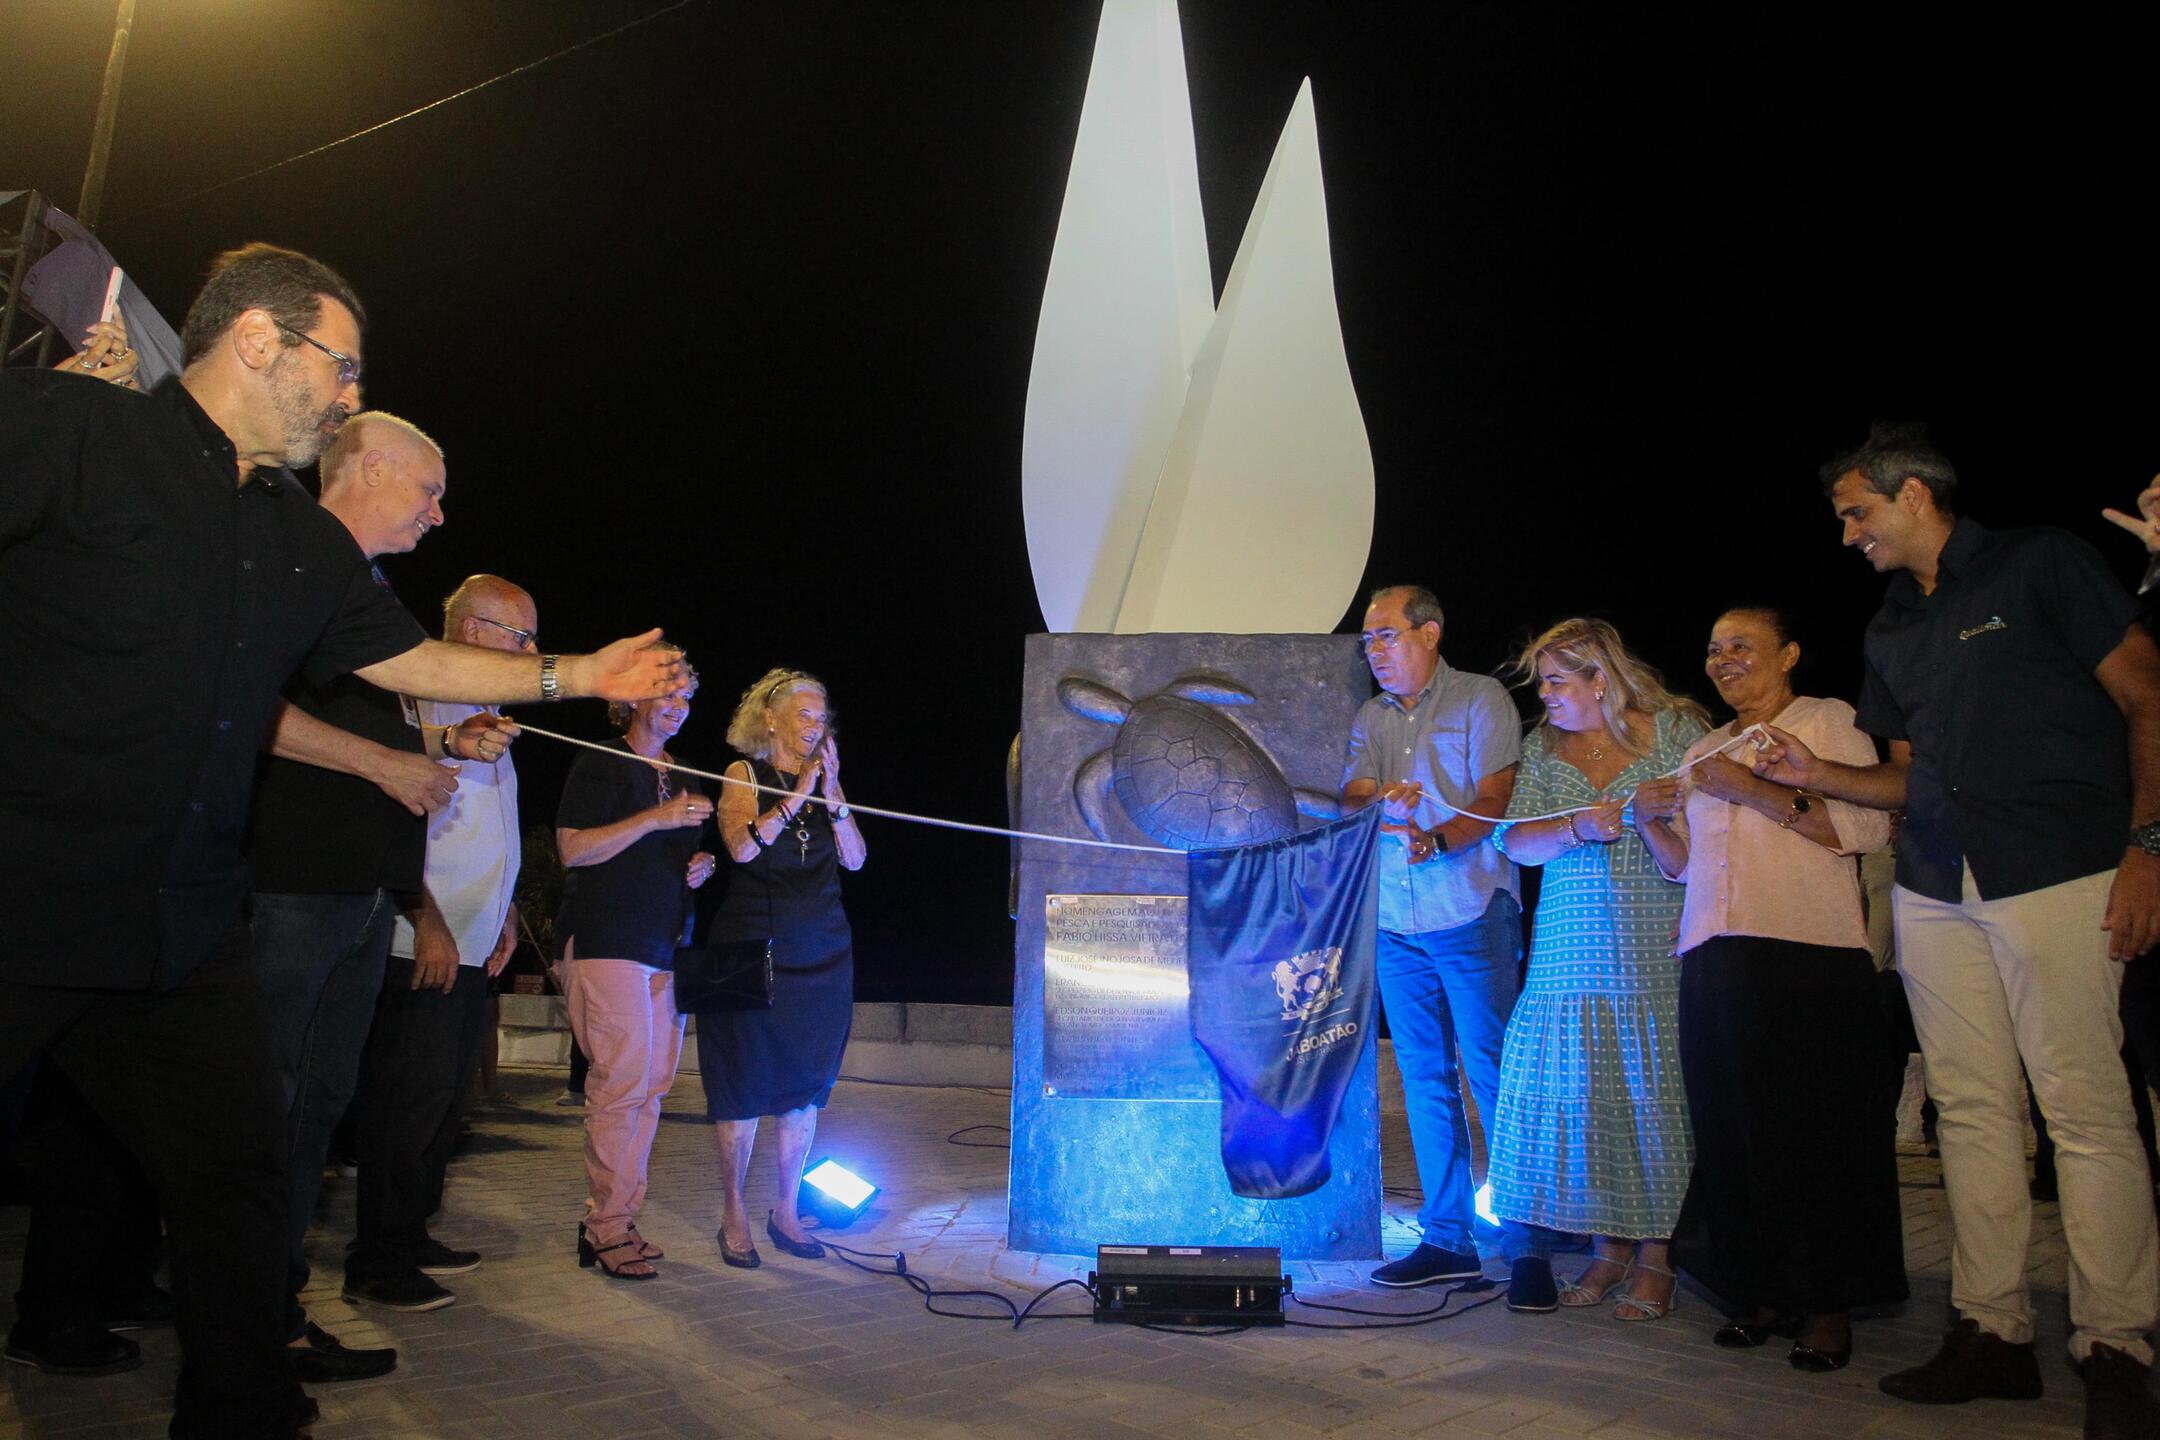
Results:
[1309, 983]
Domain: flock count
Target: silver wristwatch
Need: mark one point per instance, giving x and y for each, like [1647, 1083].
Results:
[2146, 837]
[549, 688]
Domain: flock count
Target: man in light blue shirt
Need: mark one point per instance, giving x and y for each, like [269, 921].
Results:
[1434, 743]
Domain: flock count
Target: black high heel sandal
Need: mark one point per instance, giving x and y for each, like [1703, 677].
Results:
[588, 1255]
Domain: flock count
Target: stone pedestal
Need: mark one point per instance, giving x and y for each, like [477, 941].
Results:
[1182, 740]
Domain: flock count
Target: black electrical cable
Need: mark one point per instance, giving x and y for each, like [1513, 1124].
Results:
[954, 1138]
[1042, 1295]
[931, 1293]
[1020, 1314]
[1402, 1319]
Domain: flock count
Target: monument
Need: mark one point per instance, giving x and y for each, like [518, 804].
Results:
[1198, 492]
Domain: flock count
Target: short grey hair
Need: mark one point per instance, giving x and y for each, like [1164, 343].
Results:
[351, 439]
[1420, 606]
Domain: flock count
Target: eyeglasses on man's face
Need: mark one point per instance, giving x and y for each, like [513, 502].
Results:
[348, 369]
[1373, 640]
[523, 637]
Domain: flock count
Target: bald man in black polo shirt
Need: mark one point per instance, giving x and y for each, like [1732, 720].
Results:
[2022, 712]
[336, 846]
[159, 584]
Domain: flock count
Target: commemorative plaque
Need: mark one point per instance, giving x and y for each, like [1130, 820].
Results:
[1115, 1020]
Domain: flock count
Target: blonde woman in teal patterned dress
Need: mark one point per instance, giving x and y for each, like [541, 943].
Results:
[1590, 1134]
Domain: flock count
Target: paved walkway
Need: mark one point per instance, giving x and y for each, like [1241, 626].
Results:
[537, 1349]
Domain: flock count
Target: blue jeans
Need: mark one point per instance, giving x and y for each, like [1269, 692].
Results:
[1444, 991]
[320, 960]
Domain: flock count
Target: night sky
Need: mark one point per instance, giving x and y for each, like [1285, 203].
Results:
[725, 323]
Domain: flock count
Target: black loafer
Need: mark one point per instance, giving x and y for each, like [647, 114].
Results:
[1530, 1287]
[800, 1249]
[1821, 1362]
[1751, 1334]
[1427, 1265]
[72, 1351]
[152, 1305]
[439, 1259]
[409, 1291]
[325, 1359]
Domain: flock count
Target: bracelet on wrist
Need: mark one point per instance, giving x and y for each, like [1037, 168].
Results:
[755, 838]
[550, 686]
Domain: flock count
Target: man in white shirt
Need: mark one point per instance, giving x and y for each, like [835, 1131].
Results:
[431, 1016]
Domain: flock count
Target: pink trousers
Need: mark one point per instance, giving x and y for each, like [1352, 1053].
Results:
[624, 1017]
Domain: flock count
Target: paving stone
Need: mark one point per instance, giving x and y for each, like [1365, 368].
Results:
[537, 1349]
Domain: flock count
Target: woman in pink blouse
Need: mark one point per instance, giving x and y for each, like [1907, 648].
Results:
[1791, 1215]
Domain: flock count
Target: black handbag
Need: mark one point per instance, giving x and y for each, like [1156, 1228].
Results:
[733, 975]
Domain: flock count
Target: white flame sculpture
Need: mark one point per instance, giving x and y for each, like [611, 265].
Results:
[1186, 467]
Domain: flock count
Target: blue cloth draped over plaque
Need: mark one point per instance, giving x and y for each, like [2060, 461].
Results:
[1280, 954]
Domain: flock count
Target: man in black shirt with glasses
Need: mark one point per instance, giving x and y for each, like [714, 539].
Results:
[159, 584]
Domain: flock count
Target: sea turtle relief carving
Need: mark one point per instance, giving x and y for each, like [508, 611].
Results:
[1183, 771]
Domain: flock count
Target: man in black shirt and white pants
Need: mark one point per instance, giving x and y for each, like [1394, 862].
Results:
[2022, 712]
[159, 584]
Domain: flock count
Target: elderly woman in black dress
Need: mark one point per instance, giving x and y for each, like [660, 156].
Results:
[788, 849]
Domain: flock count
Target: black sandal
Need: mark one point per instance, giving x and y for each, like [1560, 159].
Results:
[589, 1255]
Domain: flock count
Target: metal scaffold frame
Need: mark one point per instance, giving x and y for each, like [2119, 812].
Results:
[23, 241]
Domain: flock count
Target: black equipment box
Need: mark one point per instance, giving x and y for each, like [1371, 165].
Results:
[1189, 1284]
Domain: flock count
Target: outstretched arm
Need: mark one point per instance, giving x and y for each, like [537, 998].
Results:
[439, 670]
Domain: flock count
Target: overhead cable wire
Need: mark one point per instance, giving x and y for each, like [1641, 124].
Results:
[512, 73]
